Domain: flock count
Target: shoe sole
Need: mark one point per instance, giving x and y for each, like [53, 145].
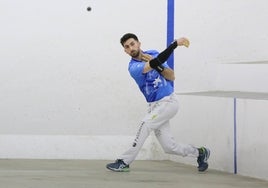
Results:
[119, 170]
[203, 168]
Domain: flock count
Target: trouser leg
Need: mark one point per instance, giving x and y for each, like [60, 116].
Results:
[159, 113]
[139, 140]
[169, 145]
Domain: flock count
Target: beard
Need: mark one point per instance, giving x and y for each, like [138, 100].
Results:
[135, 53]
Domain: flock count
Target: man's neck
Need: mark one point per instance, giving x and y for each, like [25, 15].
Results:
[139, 58]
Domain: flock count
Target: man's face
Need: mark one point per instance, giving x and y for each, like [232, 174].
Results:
[132, 47]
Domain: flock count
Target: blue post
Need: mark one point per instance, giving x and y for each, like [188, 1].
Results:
[235, 139]
[170, 29]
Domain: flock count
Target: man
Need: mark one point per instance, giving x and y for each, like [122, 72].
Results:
[154, 78]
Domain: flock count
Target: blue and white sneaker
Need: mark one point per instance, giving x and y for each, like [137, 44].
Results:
[204, 154]
[118, 166]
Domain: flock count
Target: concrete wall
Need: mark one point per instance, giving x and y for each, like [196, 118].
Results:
[210, 121]
[222, 33]
[59, 60]
[227, 54]
[65, 91]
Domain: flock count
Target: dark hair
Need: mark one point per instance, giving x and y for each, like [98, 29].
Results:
[127, 36]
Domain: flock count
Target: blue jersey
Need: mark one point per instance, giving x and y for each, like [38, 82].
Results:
[152, 84]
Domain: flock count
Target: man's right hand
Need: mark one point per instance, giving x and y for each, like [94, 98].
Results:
[183, 42]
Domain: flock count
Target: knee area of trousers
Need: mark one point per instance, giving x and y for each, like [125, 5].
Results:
[173, 149]
[169, 149]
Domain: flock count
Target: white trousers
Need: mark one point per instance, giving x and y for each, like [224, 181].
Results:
[157, 120]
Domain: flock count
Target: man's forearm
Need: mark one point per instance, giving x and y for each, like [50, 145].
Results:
[168, 74]
[157, 62]
[164, 55]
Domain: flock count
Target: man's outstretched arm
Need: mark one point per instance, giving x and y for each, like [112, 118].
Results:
[156, 63]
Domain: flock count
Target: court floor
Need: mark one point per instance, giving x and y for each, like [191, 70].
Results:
[93, 174]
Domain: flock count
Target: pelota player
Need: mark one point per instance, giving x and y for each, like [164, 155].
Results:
[154, 78]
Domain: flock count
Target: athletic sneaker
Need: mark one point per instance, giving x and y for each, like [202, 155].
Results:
[202, 159]
[118, 166]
